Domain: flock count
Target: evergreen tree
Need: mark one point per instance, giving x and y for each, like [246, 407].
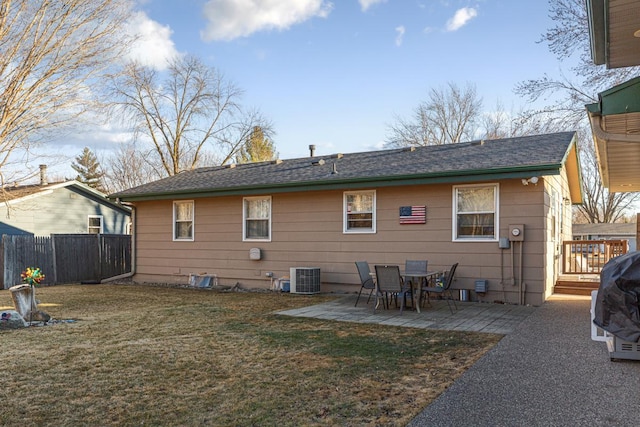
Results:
[89, 170]
[257, 148]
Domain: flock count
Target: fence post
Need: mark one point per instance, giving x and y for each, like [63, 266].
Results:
[100, 260]
[54, 273]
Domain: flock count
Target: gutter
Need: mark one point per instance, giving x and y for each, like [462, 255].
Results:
[600, 133]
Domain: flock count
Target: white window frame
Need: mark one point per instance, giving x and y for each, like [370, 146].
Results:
[345, 213]
[246, 200]
[496, 213]
[193, 221]
[89, 226]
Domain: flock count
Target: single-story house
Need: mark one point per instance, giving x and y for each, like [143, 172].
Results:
[68, 207]
[457, 203]
[607, 231]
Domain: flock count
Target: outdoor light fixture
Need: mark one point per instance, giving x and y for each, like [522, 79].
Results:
[533, 180]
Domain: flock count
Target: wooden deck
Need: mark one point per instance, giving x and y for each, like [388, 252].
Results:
[577, 284]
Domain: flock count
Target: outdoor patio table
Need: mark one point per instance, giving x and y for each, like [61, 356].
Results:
[422, 276]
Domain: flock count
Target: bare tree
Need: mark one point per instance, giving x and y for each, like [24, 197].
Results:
[128, 168]
[50, 50]
[193, 110]
[449, 115]
[569, 38]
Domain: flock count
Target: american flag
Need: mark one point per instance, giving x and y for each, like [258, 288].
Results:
[413, 214]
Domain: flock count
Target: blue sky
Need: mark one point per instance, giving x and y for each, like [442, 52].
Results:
[336, 74]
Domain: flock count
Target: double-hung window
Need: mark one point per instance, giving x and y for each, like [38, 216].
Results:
[359, 212]
[183, 215]
[257, 218]
[95, 224]
[475, 215]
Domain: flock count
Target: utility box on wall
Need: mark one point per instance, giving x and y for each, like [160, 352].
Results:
[481, 286]
[516, 232]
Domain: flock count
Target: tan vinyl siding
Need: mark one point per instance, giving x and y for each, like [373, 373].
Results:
[307, 231]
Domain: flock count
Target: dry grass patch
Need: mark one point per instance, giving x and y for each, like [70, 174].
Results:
[165, 356]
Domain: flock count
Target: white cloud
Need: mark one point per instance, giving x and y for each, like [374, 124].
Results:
[399, 35]
[153, 46]
[230, 19]
[461, 18]
[366, 4]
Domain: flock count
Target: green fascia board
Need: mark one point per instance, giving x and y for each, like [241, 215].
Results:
[597, 30]
[454, 177]
[620, 99]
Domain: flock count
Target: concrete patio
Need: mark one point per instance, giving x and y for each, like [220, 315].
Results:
[470, 316]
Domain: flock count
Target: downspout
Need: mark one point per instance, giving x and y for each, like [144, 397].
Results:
[133, 248]
[521, 285]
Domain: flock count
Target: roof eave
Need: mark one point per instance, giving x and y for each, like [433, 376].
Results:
[597, 30]
[452, 177]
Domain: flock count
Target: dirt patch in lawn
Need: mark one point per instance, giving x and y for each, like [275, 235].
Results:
[164, 356]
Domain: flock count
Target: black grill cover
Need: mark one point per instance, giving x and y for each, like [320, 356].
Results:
[617, 308]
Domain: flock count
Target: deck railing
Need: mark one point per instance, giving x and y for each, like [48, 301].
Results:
[589, 256]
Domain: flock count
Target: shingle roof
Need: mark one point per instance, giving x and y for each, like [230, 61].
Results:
[12, 192]
[17, 193]
[505, 158]
[608, 229]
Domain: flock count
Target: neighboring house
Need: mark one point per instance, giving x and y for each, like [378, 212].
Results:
[607, 231]
[446, 204]
[60, 208]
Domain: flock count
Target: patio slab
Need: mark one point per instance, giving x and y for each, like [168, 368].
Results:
[470, 316]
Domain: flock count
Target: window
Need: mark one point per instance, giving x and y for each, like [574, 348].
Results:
[257, 218]
[95, 224]
[475, 212]
[183, 220]
[360, 212]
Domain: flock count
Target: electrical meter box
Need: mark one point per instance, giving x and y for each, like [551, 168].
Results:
[516, 232]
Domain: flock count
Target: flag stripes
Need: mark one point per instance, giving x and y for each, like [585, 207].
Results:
[413, 214]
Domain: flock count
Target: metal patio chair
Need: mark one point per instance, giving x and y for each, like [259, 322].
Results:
[389, 282]
[366, 280]
[445, 289]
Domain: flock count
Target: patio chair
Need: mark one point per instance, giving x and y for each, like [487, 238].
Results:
[389, 283]
[445, 289]
[366, 280]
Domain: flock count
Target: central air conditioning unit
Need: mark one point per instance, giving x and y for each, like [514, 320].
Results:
[304, 280]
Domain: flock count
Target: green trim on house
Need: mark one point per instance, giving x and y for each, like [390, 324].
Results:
[620, 99]
[443, 178]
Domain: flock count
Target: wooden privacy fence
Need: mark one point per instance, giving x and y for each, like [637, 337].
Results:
[65, 258]
[589, 256]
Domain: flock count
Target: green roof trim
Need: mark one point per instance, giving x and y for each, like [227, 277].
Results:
[620, 99]
[443, 178]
